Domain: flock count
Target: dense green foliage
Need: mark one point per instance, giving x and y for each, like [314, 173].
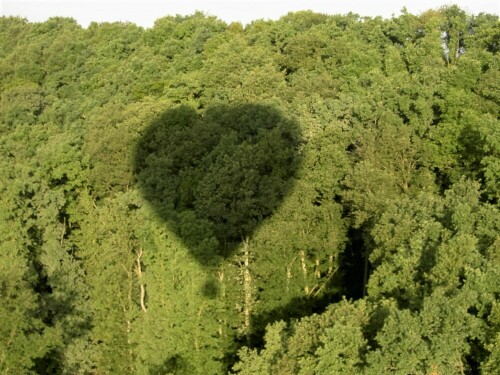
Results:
[215, 178]
[313, 195]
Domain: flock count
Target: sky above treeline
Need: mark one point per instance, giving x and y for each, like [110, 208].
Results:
[145, 12]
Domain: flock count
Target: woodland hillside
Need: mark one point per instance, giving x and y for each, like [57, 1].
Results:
[313, 195]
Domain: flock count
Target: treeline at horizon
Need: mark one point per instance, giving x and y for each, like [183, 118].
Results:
[313, 195]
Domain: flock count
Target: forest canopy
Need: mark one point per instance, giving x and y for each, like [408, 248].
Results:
[313, 195]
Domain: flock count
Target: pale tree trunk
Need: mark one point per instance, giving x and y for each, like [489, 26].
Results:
[222, 320]
[317, 272]
[127, 310]
[289, 274]
[138, 270]
[330, 265]
[247, 284]
[197, 331]
[304, 271]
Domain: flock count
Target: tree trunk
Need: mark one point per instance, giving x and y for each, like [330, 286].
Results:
[304, 271]
[247, 288]
[138, 270]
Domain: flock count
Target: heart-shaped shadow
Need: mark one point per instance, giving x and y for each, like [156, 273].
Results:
[214, 177]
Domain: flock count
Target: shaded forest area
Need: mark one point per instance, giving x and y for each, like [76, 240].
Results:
[313, 195]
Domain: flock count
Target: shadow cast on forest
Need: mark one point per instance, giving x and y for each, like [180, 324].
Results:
[60, 309]
[214, 177]
[293, 310]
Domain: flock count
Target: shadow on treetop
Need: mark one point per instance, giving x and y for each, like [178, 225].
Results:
[214, 177]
